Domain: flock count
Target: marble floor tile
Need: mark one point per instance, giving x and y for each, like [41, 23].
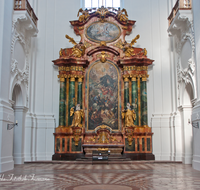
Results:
[72, 176]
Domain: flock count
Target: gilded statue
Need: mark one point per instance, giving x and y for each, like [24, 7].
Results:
[129, 115]
[79, 49]
[120, 15]
[85, 14]
[78, 115]
[127, 47]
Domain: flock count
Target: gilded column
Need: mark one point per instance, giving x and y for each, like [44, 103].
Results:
[126, 90]
[80, 81]
[62, 105]
[143, 89]
[71, 97]
[135, 97]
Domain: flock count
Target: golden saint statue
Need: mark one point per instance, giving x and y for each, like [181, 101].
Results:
[129, 115]
[78, 114]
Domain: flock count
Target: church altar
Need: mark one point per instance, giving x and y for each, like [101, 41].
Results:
[103, 89]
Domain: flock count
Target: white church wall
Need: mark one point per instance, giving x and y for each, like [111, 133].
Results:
[43, 115]
[6, 112]
[151, 24]
[196, 109]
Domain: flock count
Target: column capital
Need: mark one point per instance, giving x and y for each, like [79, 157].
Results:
[133, 77]
[80, 78]
[144, 77]
[126, 78]
[72, 78]
[62, 77]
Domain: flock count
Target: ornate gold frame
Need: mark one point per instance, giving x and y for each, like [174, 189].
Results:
[94, 63]
[100, 41]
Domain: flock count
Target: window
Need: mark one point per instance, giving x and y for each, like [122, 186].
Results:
[98, 3]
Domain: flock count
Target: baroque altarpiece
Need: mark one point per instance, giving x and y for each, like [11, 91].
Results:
[103, 92]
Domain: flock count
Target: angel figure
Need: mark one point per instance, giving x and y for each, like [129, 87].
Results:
[78, 114]
[79, 49]
[129, 115]
[128, 49]
[120, 15]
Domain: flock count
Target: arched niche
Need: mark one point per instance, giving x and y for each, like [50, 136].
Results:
[188, 95]
[17, 96]
[20, 114]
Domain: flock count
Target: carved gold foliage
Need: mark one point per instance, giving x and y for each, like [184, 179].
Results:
[103, 56]
[92, 139]
[81, 28]
[102, 43]
[134, 40]
[84, 16]
[145, 52]
[70, 39]
[119, 44]
[87, 44]
[102, 12]
[60, 52]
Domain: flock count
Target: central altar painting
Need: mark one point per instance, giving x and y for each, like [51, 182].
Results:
[103, 95]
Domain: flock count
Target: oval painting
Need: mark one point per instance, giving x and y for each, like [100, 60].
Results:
[106, 31]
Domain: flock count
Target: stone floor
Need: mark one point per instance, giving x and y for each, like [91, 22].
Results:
[72, 176]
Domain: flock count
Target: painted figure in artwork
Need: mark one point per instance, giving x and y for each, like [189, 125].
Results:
[128, 114]
[78, 115]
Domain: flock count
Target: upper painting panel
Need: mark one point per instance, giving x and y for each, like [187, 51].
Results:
[103, 31]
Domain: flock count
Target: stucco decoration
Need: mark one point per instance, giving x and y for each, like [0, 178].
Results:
[182, 30]
[22, 31]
